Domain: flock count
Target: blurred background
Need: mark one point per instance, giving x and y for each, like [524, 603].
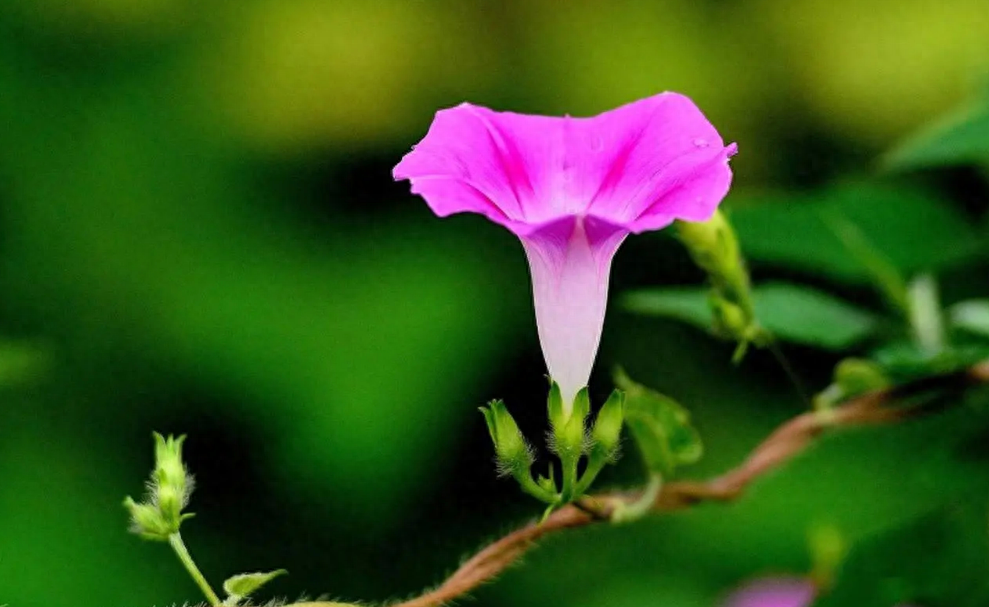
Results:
[199, 234]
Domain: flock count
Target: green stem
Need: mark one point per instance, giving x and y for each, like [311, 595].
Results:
[532, 488]
[568, 463]
[594, 466]
[626, 512]
[175, 540]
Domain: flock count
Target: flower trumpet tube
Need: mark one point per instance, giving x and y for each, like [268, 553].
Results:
[572, 189]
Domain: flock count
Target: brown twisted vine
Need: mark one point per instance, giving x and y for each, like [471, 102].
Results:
[788, 440]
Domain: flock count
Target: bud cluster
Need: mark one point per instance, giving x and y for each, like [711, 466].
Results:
[570, 440]
[160, 514]
[714, 248]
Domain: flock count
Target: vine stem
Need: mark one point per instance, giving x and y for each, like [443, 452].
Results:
[175, 541]
[787, 441]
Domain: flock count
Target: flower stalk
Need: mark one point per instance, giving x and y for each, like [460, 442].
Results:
[175, 541]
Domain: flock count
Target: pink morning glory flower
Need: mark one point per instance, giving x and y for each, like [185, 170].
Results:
[572, 189]
[774, 592]
[777, 592]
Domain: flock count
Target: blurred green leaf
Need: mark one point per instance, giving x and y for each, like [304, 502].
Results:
[904, 360]
[938, 559]
[689, 304]
[660, 426]
[971, 316]
[791, 312]
[21, 362]
[960, 137]
[910, 229]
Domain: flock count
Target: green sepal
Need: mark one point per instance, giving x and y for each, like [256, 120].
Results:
[554, 405]
[660, 427]
[581, 405]
[569, 432]
[242, 585]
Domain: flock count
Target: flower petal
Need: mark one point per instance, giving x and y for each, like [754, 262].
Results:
[493, 163]
[570, 262]
[641, 165]
[649, 162]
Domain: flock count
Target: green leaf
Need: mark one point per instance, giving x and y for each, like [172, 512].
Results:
[688, 304]
[660, 427]
[912, 231]
[243, 585]
[941, 558]
[905, 361]
[803, 315]
[791, 312]
[971, 316]
[960, 137]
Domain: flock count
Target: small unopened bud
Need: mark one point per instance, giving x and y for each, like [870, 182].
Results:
[714, 248]
[729, 319]
[146, 521]
[607, 430]
[172, 482]
[857, 376]
[160, 515]
[169, 469]
[513, 453]
[704, 239]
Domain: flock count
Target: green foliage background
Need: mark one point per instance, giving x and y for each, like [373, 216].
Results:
[199, 234]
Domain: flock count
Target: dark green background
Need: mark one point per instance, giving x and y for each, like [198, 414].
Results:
[199, 234]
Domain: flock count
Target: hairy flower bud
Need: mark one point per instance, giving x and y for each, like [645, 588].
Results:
[513, 453]
[607, 430]
[146, 521]
[160, 515]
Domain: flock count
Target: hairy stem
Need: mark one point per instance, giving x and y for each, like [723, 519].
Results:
[175, 540]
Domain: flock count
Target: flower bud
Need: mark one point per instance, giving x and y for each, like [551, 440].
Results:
[160, 515]
[146, 521]
[607, 430]
[172, 481]
[169, 469]
[704, 239]
[729, 319]
[714, 248]
[857, 376]
[513, 453]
